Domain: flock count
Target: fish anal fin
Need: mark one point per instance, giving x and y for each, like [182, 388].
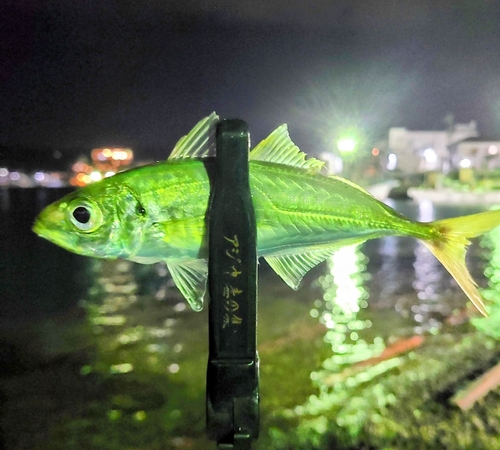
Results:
[278, 148]
[199, 142]
[190, 277]
[292, 268]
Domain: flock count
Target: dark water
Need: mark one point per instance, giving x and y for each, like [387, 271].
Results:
[126, 321]
[37, 278]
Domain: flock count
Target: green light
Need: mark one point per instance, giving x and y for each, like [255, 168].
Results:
[346, 145]
[114, 414]
[140, 416]
[121, 368]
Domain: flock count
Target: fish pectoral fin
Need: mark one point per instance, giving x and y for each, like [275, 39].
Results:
[191, 279]
[292, 268]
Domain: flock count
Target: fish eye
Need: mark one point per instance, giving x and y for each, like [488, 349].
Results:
[84, 215]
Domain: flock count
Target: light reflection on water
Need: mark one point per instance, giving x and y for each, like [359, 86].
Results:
[429, 287]
[157, 347]
[339, 310]
[428, 282]
[426, 211]
[406, 277]
[123, 318]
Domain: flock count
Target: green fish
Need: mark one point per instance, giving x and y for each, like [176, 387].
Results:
[158, 213]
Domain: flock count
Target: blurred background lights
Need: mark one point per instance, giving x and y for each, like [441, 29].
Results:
[95, 176]
[173, 368]
[346, 145]
[392, 161]
[465, 163]
[430, 155]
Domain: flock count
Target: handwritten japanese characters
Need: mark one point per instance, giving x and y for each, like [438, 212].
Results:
[231, 291]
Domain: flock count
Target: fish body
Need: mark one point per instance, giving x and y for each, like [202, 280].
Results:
[159, 213]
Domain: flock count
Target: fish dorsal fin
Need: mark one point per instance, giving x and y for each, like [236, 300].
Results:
[199, 142]
[279, 148]
[191, 279]
[292, 268]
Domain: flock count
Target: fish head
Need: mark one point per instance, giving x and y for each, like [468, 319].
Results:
[104, 220]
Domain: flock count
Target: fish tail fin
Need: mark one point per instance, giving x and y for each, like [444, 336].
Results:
[450, 248]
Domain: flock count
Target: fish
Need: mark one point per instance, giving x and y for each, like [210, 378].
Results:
[159, 212]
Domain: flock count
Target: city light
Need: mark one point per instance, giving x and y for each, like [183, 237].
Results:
[333, 162]
[392, 161]
[465, 163]
[430, 155]
[106, 162]
[346, 145]
[112, 156]
[39, 176]
[95, 176]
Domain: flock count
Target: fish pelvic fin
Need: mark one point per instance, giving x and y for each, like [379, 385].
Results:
[450, 248]
[190, 277]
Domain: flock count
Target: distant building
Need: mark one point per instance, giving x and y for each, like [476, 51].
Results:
[423, 151]
[478, 153]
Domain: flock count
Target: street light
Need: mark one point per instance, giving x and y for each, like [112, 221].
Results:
[346, 145]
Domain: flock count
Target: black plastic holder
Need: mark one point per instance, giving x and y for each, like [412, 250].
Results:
[233, 367]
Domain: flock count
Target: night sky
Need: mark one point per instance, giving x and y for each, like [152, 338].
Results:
[79, 74]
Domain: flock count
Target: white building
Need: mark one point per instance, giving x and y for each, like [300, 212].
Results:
[423, 151]
[477, 153]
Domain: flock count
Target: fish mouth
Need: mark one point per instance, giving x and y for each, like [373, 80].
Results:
[49, 225]
[42, 225]
[39, 228]
[50, 219]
